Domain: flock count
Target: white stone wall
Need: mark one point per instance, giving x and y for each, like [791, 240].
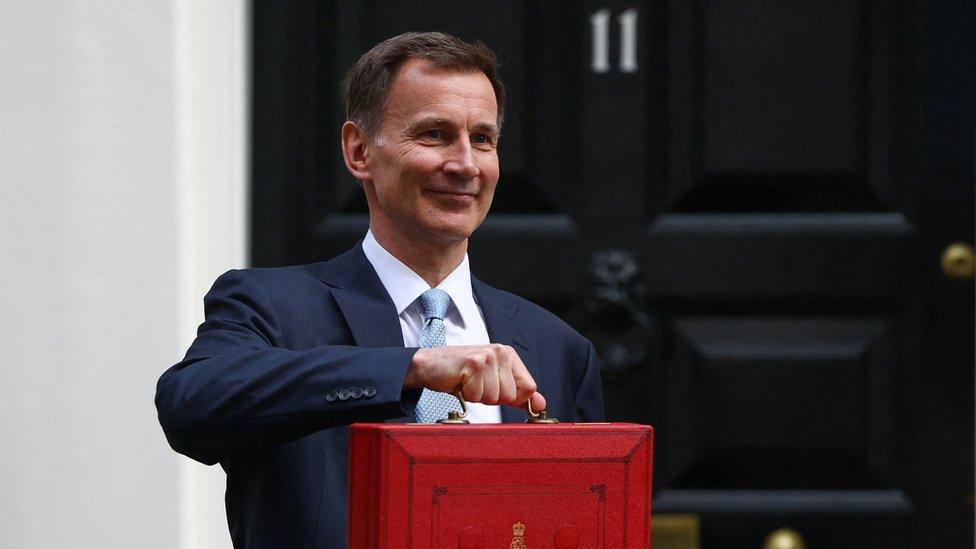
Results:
[122, 195]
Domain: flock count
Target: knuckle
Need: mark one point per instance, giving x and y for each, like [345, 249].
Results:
[514, 357]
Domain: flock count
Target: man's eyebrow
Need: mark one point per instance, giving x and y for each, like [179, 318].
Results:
[486, 128]
[425, 122]
[434, 121]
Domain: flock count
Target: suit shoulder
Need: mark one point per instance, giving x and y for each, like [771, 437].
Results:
[272, 281]
[332, 272]
[270, 274]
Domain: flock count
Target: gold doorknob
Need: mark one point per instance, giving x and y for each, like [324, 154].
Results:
[784, 538]
[958, 262]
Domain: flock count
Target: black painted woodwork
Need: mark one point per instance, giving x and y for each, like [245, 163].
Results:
[748, 227]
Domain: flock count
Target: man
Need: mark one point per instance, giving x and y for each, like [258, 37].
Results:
[286, 358]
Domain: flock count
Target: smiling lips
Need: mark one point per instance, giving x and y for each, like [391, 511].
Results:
[453, 194]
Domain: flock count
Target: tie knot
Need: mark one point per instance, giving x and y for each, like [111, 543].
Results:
[434, 302]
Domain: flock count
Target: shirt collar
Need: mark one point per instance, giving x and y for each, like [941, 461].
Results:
[405, 286]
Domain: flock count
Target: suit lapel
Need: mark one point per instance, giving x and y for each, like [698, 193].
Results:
[364, 302]
[499, 311]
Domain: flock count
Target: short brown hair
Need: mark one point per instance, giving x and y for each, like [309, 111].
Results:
[367, 84]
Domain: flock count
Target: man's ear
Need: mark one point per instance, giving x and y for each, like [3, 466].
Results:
[354, 151]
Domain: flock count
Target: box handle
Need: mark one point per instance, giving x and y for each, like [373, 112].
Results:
[460, 418]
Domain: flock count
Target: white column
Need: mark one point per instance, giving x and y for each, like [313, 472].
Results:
[211, 75]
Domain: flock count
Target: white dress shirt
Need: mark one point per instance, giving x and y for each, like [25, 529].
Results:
[464, 323]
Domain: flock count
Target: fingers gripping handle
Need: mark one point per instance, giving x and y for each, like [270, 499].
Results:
[460, 418]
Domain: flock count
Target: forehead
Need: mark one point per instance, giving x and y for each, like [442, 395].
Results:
[420, 88]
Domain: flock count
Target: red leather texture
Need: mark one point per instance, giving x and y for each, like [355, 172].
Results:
[583, 485]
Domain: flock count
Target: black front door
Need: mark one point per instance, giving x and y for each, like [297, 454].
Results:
[743, 204]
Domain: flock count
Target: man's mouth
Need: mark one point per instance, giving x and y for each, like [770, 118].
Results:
[453, 193]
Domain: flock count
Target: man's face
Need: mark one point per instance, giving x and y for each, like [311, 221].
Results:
[433, 165]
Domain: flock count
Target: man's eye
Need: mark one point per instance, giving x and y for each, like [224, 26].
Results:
[482, 138]
[434, 134]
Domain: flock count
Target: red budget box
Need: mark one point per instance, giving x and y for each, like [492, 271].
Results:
[566, 485]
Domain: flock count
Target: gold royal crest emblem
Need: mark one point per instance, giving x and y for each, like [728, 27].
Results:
[518, 536]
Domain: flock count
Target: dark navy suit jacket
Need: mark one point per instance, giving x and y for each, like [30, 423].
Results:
[288, 357]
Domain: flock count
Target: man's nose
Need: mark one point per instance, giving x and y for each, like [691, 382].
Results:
[462, 161]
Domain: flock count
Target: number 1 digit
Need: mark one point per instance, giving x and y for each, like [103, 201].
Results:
[601, 41]
[628, 40]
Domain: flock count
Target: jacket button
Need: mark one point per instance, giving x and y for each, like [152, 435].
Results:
[345, 394]
[357, 392]
[369, 392]
[331, 396]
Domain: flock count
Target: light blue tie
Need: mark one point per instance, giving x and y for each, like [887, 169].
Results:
[434, 405]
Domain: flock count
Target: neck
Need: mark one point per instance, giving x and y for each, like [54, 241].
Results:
[432, 261]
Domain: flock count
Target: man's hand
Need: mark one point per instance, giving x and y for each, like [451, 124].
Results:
[490, 374]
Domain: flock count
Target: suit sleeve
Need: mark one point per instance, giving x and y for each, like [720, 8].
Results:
[588, 401]
[236, 391]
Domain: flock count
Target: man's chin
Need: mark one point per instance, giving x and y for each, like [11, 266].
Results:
[446, 237]
[448, 234]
